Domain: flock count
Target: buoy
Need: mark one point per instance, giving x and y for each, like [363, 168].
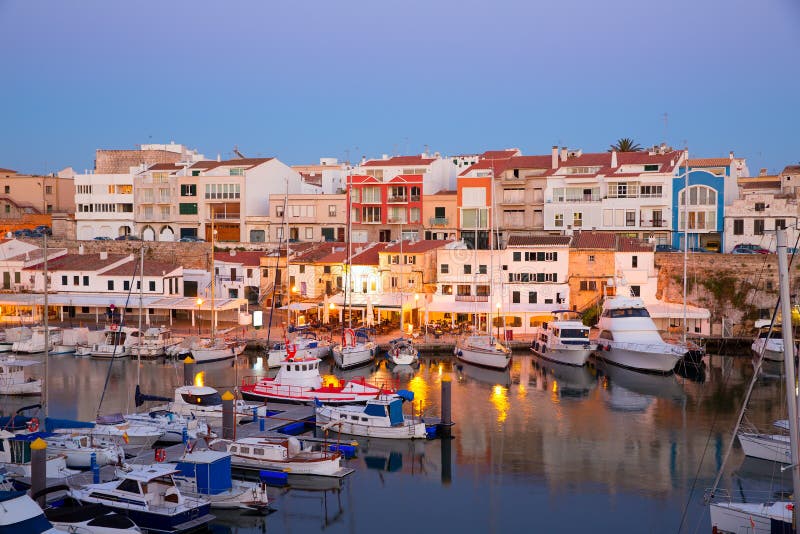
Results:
[33, 425]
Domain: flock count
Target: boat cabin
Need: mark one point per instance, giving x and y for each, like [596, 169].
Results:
[198, 396]
[146, 487]
[619, 313]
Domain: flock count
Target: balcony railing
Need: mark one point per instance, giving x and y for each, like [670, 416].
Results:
[397, 220]
[472, 298]
[397, 199]
[586, 198]
[439, 221]
[414, 198]
[653, 223]
[223, 216]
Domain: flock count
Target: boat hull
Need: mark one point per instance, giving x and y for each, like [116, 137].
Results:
[638, 360]
[21, 389]
[213, 355]
[751, 518]
[491, 359]
[771, 447]
[324, 468]
[408, 430]
[575, 357]
[349, 357]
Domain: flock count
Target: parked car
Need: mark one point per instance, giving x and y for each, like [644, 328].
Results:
[128, 237]
[43, 229]
[191, 239]
[102, 238]
[666, 248]
[701, 250]
[23, 232]
[748, 248]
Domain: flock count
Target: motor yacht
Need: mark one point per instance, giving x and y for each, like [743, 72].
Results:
[769, 341]
[565, 339]
[117, 342]
[381, 418]
[154, 343]
[35, 344]
[483, 350]
[13, 379]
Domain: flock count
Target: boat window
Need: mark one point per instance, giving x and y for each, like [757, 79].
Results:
[84, 441]
[233, 449]
[305, 368]
[212, 399]
[776, 334]
[578, 333]
[258, 451]
[131, 486]
[364, 419]
[343, 416]
[629, 312]
[244, 450]
[297, 367]
[354, 417]
[555, 332]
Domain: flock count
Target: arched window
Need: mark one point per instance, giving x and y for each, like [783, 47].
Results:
[701, 209]
[699, 195]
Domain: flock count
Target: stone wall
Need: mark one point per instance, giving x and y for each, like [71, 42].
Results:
[735, 287]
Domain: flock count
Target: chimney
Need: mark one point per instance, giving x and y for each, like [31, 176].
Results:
[613, 158]
[730, 155]
[384, 156]
[219, 158]
[363, 159]
[554, 157]
[563, 153]
[81, 250]
[103, 254]
[762, 172]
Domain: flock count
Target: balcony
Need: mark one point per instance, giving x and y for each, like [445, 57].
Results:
[397, 200]
[223, 216]
[472, 298]
[439, 221]
[396, 220]
[653, 223]
[414, 198]
[572, 200]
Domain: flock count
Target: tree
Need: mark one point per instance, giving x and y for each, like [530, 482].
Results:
[626, 144]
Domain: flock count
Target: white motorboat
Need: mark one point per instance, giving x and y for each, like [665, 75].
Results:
[282, 454]
[483, 350]
[380, 418]
[354, 350]
[154, 343]
[15, 454]
[304, 342]
[116, 343]
[207, 475]
[402, 352]
[20, 513]
[149, 496]
[78, 450]
[629, 338]
[171, 425]
[78, 518]
[768, 341]
[114, 429]
[205, 402]
[13, 335]
[565, 339]
[70, 339]
[13, 380]
[773, 447]
[299, 381]
[35, 344]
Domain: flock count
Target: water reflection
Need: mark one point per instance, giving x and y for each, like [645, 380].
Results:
[466, 371]
[568, 380]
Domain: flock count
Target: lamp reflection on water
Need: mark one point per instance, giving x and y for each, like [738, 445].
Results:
[499, 399]
[420, 389]
[259, 365]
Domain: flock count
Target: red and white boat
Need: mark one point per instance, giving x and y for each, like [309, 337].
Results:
[299, 381]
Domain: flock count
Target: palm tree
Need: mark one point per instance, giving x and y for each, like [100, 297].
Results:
[626, 144]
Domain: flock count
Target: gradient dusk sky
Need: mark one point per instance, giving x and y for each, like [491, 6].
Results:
[301, 80]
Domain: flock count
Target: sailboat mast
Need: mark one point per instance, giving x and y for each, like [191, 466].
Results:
[45, 389]
[288, 278]
[348, 279]
[685, 239]
[213, 276]
[788, 362]
[141, 304]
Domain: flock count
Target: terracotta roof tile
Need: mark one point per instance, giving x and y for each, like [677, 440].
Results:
[416, 247]
[248, 257]
[7, 171]
[241, 162]
[316, 253]
[709, 162]
[151, 268]
[165, 167]
[539, 241]
[501, 154]
[399, 160]
[369, 256]
[80, 262]
[594, 240]
[629, 244]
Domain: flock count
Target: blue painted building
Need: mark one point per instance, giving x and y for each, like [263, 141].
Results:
[712, 185]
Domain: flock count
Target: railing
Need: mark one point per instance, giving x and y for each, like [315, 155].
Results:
[472, 298]
[223, 216]
[439, 221]
[396, 220]
[397, 199]
[587, 198]
[653, 223]
[414, 198]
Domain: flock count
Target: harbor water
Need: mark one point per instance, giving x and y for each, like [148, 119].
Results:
[540, 447]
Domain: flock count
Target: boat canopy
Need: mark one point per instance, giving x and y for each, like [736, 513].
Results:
[405, 394]
[51, 424]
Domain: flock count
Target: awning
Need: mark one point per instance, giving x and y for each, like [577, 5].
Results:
[300, 306]
[674, 310]
[103, 300]
[385, 301]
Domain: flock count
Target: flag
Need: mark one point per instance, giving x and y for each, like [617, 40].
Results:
[317, 403]
[752, 523]
[125, 438]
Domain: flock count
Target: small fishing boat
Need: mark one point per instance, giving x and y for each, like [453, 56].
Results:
[769, 341]
[116, 343]
[564, 339]
[380, 418]
[282, 454]
[208, 350]
[78, 450]
[35, 344]
[113, 429]
[483, 350]
[15, 454]
[402, 352]
[299, 381]
[773, 447]
[13, 380]
[205, 403]
[171, 425]
[70, 339]
[207, 475]
[355, 349]
[13, 335]
[305, 342]
[154, 343]
[149, 496]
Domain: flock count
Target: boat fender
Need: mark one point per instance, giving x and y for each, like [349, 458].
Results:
[349, 337]
[160, 455]
[460, 353]
[33, 424]
[608, 348]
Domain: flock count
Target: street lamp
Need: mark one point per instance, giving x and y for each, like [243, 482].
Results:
[199, 303]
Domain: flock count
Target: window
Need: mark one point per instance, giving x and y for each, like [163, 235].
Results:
[467, 269]
[152, 285]
[371, 214]
[577, 219]
[236, 171]
[8, 208]
[309, 232]
[64, 280]
[111, 285]
[590, 258]
[257, 236]
[188, 190]
[371, 195]
[559, 220]
[635, 262]
[780, 224]
[760, 206]
[126, 285]
[630, 218]
[636, 291]
[651, 168]
[129, 485]
[7, 189]
[48, 190]
[517, 256]
[532, 297]
[758, 227]
[438, 212]
[738, 227]
[481, 269]
[414, 215]
[444, 268]
[394, 259]
[463, 290]
[447, 289]
[410, 260]
[331, 210]
[76, 280]
[187, 208]
[515, 297]
[86, 280]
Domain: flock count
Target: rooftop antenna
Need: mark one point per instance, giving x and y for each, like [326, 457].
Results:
[238, 154]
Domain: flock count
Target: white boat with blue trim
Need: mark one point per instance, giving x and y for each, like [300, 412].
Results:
[380, 418]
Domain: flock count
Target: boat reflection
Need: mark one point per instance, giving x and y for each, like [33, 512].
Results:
[392, 455]
[467, 372]
[568, 380]
[628, 390]
[757, 480]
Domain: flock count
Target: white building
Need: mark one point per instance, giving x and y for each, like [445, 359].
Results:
[329, 176]
[103, 205]
[438, 174]
[238, 275]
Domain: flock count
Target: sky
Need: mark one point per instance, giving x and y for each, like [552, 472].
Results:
[352, 78]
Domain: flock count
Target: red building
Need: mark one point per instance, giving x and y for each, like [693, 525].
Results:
[383, 210]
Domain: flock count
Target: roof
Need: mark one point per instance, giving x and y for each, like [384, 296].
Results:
[81, 262]
[314, 254]
[365, 257]
[37, 254]
[399, 160]
[788, 168]
[241, 162]
[593, 240]
[151, 268]
[539, 241]
[416, 247]
[709, 162]
[165, 167]
[500, 154]
[249, 257]
[8, 171]
[517, 162]
[629, 244]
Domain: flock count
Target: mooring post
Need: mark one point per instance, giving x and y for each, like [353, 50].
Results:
[227, 415]
[447, 417]
[38, 468]
[188, 371]
[95, 468]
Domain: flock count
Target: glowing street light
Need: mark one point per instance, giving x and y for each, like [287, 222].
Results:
[199, 304]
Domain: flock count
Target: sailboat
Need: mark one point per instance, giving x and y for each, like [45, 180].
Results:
[213, 349]
[771, 516]
[484, 349]
[355, 348]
